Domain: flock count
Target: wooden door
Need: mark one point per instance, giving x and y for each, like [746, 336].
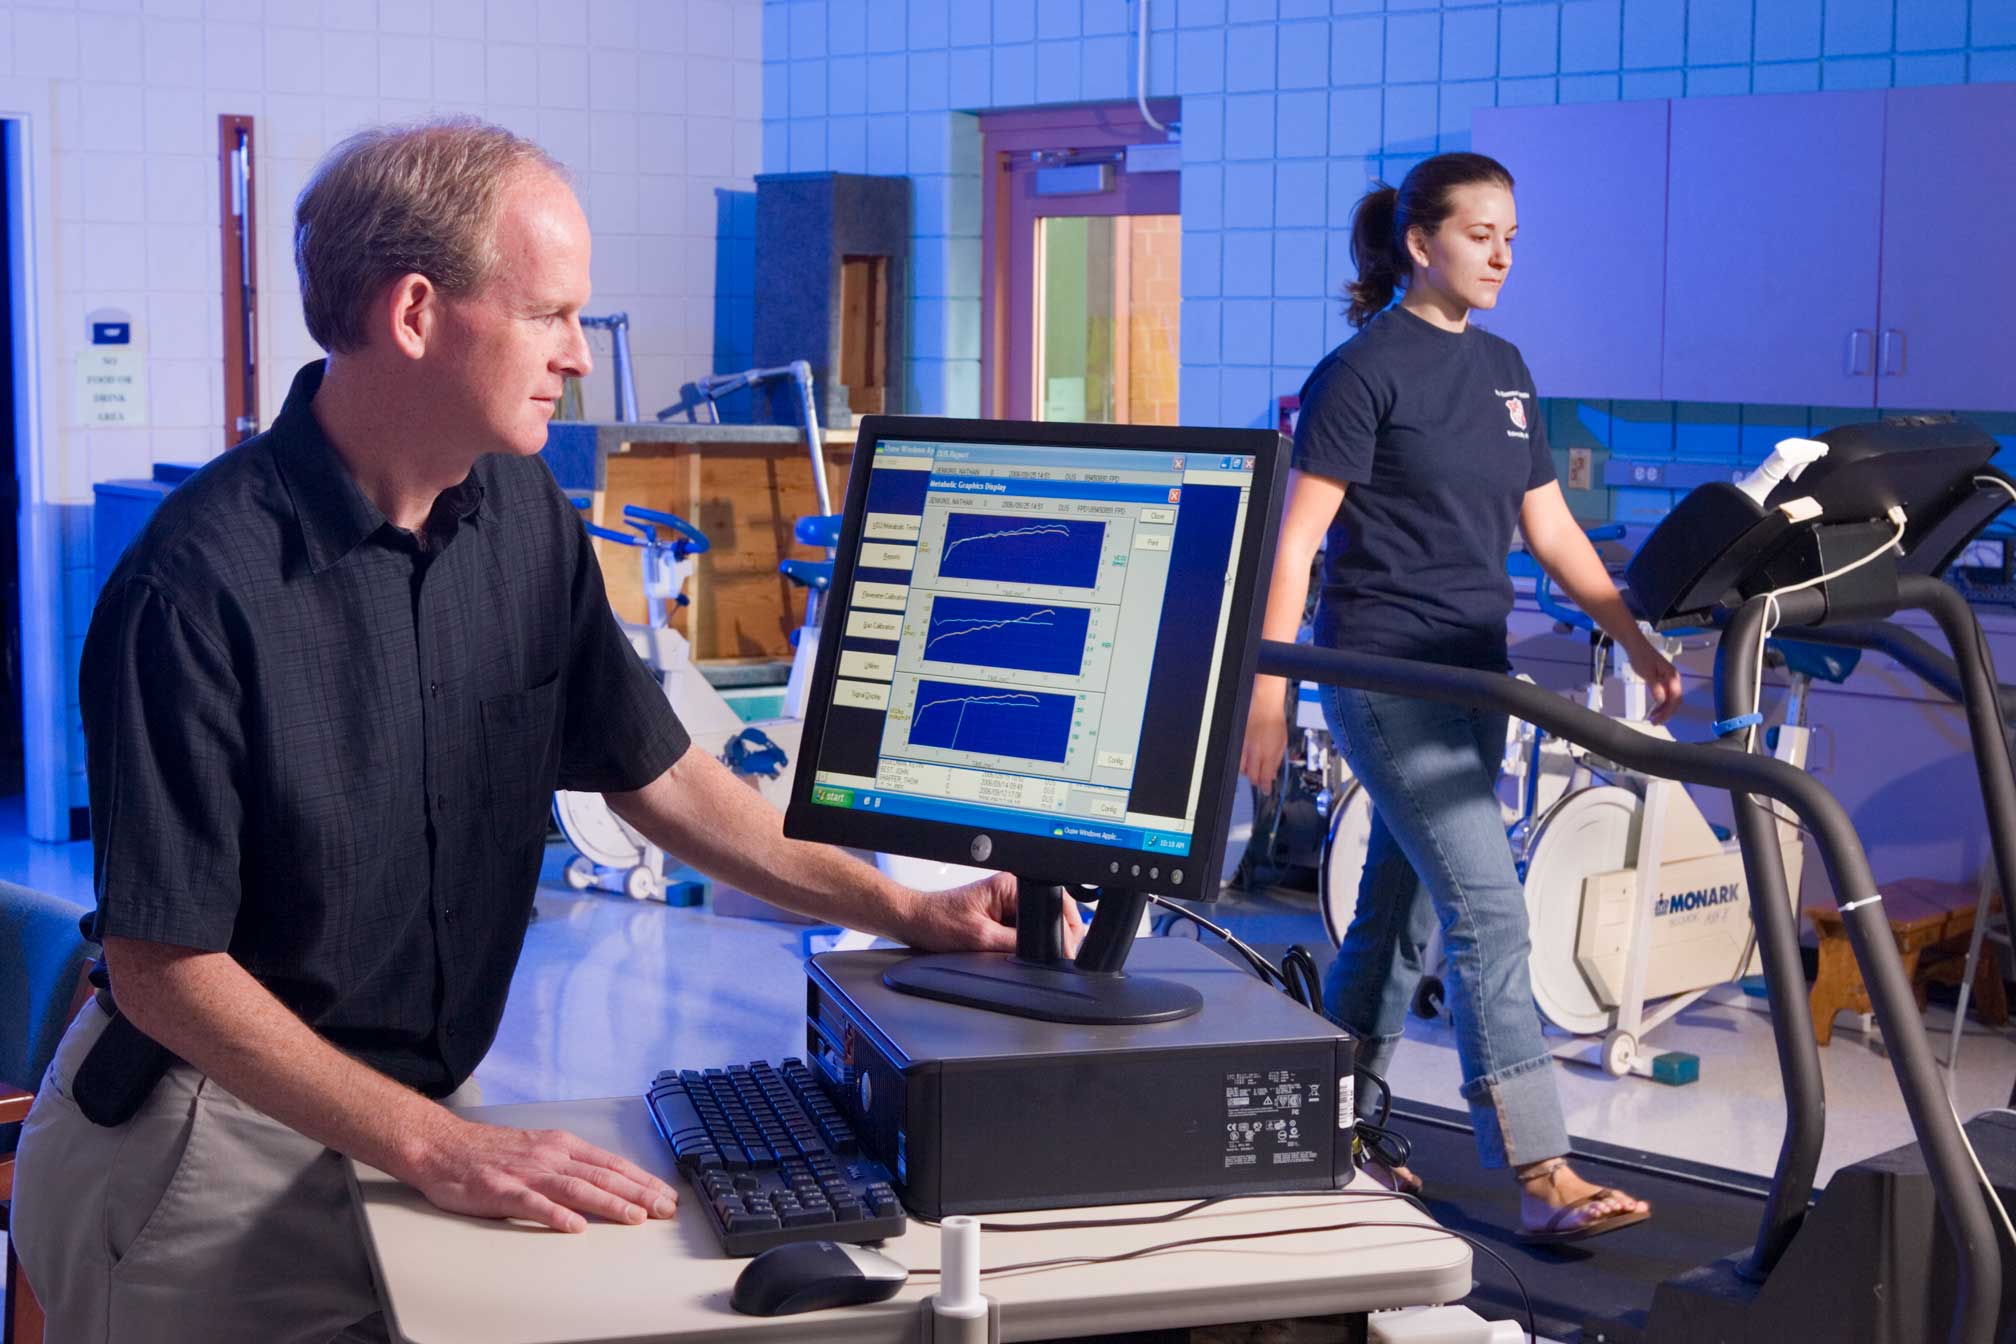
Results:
[1585, 300]
[1949, 250]
[1774, 208]
[1015, 145]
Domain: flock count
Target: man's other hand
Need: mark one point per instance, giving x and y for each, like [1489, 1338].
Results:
[980, 917]
[544, 1176]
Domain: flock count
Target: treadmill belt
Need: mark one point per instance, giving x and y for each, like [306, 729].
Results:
[1699, 1214]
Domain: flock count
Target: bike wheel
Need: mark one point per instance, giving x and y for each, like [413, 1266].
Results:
[1586, 833]
[1343, 863]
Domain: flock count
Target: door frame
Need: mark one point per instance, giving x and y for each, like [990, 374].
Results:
[1006, 333]
[28, 107]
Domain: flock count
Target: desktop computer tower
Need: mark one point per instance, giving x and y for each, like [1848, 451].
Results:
[978, 1111]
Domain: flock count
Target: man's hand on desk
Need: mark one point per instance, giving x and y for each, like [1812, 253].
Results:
[542, 1175]
[979, 917]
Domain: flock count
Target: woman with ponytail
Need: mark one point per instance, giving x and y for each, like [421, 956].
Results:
[1419, 446]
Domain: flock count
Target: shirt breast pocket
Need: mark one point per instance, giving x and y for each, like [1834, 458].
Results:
[522, 758]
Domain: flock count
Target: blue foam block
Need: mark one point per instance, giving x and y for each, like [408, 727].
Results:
[1676, 1067]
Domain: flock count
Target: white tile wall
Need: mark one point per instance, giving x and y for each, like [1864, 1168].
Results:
[136, 177]
[605, 85]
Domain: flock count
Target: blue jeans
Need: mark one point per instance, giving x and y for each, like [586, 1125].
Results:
[1438, 852]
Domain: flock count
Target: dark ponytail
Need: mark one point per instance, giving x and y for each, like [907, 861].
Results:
[1373, 254]
[1385, 216]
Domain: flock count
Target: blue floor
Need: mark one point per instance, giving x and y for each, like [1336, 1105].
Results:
[59, 870]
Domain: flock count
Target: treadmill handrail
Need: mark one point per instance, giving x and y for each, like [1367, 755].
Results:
[1741, 773]
[1716, 766]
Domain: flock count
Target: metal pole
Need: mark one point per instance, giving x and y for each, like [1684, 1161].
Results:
[619, 366]
[618, 327]
[801, 374]
[1736, 659]
[1986, 721]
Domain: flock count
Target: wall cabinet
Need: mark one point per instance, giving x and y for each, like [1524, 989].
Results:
[1949, 250]
[1773, 212]
[1587, 265]
[1832, 249]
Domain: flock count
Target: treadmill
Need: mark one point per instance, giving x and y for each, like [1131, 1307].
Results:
[1829, 556]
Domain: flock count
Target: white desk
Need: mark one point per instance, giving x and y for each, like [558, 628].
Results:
[448, 1278]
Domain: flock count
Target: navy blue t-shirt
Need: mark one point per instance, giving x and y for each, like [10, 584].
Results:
[1437, 434]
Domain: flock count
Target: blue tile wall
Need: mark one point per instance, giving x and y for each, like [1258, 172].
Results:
[1357, 51]
[1655, 34]
[1470, 44]
[1298, 263]
[1788, 30]
[1413, 47]
[1717, 80]
[1290, 109]
[1249, 126]
[1200, 62]
[1249, 266]
[1410, 118]
[1718, 32]
[1931, 25]
[1529, 40]
[1591, 35]
[1303, 60]
[1299, 189]
[1786, 77]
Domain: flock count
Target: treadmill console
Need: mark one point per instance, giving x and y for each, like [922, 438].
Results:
[1719, 546]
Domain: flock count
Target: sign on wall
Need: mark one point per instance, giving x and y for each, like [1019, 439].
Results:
[111, 374]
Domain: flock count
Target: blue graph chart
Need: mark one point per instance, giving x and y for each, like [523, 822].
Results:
[995, 549]
[1026, 724]
[1026, 637]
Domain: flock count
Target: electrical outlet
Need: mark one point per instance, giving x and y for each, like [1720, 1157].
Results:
[1581, 468]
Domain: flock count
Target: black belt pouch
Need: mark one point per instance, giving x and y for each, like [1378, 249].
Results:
[120, 1072]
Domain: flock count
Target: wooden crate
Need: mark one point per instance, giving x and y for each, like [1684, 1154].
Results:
[746, 497]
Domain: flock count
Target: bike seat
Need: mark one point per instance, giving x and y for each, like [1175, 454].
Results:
[1821, 662]
[819, 529]
[815, 574]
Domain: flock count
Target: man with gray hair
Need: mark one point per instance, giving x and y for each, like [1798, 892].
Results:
[327, 695]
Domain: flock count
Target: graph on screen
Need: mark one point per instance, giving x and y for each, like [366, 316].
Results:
[1031, 725]
[1019, 635]
[1062, 553]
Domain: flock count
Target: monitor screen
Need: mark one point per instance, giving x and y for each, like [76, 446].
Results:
[1038, 648]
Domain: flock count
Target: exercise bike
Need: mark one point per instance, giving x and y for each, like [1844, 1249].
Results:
[1638, 906]
[610, 853]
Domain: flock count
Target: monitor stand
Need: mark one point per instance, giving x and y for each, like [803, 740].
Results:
[1039, 981]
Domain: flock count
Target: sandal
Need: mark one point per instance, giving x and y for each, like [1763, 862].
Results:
[1552, 1233]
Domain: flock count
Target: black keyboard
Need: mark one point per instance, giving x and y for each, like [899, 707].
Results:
[772, 1159]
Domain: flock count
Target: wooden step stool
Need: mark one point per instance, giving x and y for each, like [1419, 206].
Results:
[1931, 922]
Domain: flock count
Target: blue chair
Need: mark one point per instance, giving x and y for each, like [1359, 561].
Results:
[43, 960]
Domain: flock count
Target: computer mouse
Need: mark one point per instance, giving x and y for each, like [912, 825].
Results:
[812, 1275]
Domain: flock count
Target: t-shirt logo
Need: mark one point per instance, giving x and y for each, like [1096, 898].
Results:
[1516, 408]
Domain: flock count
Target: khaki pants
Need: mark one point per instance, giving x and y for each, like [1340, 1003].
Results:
[200, 1219]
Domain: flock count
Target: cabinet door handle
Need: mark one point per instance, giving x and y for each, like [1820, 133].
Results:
[1858, 353]
[1891, 350]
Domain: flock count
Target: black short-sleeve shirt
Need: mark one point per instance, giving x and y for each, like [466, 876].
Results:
[1438, 437]
[327, 746]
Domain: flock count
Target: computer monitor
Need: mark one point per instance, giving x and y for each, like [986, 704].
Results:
[1037, 655]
